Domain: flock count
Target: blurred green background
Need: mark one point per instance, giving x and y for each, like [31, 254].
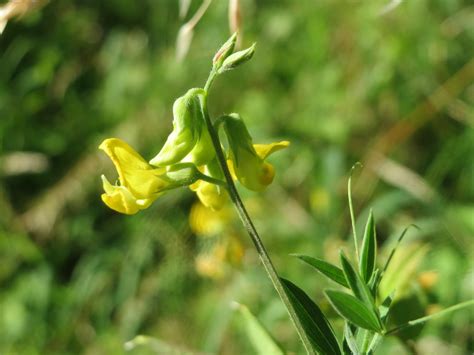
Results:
[344, 81]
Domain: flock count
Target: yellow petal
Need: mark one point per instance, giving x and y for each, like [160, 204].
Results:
[212, 196]
[120, 199]
[141, 179]
[264, 150]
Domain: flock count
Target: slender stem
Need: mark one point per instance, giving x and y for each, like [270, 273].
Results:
[432, 316]
[351, 211]
[247, 221]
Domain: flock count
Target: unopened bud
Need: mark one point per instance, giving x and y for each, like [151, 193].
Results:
[226, 49]
[237, 59]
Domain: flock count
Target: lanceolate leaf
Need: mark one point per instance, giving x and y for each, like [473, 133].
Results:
[359, 287]
[369, 249]
[353, 310]
[329, 270]
[317, 327]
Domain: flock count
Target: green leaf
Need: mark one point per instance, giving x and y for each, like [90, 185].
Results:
[384, 308]
[375, 281]
[369, 249]
[329, 270]
[261, 340]
[359, 287]
[317, 327]
[350, 340]
[353, 310]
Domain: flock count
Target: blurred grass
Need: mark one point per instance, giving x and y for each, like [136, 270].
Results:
[340, 81]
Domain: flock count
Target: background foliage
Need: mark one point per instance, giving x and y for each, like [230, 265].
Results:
[340, 80]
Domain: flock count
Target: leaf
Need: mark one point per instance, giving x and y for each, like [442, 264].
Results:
[329, 270]
[261, 340]
[353, 310]
[350, 340]
[384, 308]
[374, 281]
[315, 324]
[369, 249]
[360, 289]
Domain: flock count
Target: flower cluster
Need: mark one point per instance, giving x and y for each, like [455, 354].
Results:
[188, 157]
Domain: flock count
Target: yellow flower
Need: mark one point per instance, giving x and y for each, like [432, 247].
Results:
[211, 195]
[140, 183]
[246, 160]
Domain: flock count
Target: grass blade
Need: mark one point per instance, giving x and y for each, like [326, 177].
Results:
[396, 246]
[432, 316]
[262, 341]
[327, 269]
[316, 325]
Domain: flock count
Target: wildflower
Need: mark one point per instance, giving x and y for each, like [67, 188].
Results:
[140, 183]
[247, 160]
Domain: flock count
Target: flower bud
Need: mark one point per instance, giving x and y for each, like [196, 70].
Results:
[203, 152]
[237, 59]
[226, 49]
[187, 116]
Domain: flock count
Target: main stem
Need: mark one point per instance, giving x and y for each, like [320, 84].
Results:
[247, 221]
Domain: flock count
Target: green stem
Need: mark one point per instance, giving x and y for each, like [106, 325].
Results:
[247, 221]
[351, 211]
[212, 180]
[432, 316]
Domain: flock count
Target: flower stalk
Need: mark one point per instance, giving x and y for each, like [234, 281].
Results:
[245, 218]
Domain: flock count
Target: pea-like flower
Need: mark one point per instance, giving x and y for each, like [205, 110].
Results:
[139, 183]
[246, 160]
